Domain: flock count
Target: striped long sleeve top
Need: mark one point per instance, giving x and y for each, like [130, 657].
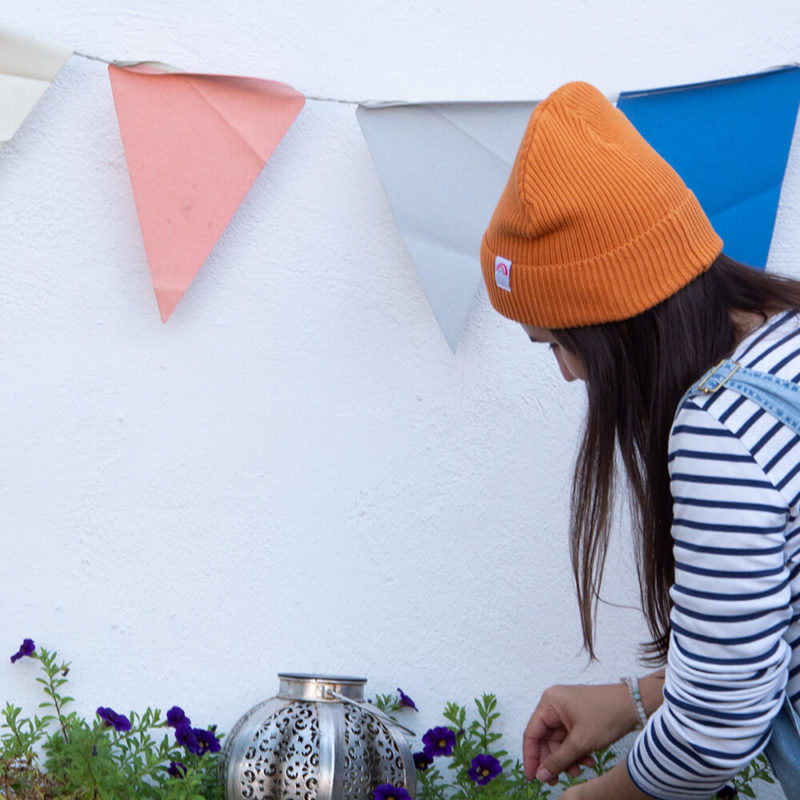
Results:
[734, 649]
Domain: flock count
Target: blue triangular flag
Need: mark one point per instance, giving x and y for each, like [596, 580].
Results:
[729, 140]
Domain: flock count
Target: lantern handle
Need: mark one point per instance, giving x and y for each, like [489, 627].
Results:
[375, 712]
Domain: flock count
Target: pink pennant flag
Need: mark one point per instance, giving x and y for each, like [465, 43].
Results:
[194, 144]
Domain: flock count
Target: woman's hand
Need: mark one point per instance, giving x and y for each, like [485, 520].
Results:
[570, 723]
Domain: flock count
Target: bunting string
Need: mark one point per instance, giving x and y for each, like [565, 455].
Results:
[92, 58]
[307, 96]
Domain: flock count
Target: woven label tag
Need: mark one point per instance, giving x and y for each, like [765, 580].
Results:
[502, 273]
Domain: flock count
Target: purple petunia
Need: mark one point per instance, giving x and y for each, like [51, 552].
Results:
[176, 716]
[26, 649]
[207, 740]
[484, 769]
[122, 724]
[422, 760]
[177, 769]
[405, 700]
[388, 791]
[184, 735]
[439, 741]
[119, 722]
[196, 740]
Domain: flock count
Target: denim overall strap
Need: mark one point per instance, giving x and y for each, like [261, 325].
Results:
[783, 749]
[781, 399]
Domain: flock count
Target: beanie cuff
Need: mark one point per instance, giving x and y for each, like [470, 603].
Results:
[657, 264]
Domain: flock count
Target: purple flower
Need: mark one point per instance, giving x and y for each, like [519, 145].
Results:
[439, 742]
[25, 649]
[185, 736]
[207, 740]
[484, 769]
[119, 722]
[196, 740]
[388, 791]
[175, 717]
[422, 760]
[177, 769]
[122, 724]
[405, 700]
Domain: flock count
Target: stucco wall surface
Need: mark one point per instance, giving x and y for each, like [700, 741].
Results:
[295, 473]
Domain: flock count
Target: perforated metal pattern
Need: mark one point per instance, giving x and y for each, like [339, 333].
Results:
[371, 755]
[282, 760]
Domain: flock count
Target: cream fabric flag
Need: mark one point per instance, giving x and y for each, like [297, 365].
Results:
[27, 67]
[444, 167]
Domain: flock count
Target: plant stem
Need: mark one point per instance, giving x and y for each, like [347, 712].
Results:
[485, 716]
[55, 696]
[19, 740]
[91, 773]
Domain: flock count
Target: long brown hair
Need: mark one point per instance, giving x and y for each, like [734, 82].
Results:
[636, 373]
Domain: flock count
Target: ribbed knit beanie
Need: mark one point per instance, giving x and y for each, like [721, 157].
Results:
[593, 226]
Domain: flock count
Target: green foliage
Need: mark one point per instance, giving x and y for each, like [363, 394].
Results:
[448, 777]
[476, 736]
[388, 703]
[60, 756]
[756, 770]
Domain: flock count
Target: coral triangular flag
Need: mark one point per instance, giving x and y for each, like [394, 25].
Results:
[443, 166]
[27, 67]
[194, 144]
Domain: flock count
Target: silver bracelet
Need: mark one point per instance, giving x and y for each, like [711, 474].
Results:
[636, 697]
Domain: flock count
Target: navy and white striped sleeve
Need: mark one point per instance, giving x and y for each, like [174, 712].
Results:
[727, 662]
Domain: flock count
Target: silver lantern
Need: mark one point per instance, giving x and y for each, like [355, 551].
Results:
[318, 739]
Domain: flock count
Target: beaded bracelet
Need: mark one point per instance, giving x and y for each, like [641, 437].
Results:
[636, 697]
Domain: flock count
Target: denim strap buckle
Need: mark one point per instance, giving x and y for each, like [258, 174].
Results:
[711, 382]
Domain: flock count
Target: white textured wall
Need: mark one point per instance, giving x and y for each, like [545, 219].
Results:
[295, 473]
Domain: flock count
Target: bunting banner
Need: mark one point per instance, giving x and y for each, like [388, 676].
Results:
[443, 166]
[27, 67]
[194, 144]
[729, 140]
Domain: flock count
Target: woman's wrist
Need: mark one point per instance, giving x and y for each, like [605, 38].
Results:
[652, 688]
[636, 699]
[625, 711]
[644, 696]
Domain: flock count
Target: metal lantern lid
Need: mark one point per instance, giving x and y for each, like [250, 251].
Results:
[317, 739]
[296, 686]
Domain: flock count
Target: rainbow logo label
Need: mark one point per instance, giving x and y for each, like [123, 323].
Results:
[502, 273]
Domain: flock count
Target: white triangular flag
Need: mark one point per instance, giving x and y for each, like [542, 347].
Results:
[27, 67]
[444, 167]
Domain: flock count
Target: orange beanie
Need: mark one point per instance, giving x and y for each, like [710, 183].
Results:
[593, 226]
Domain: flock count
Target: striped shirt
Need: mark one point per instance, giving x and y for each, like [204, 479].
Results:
[735, 642]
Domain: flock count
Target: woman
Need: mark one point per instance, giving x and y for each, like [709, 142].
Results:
[599, 250]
